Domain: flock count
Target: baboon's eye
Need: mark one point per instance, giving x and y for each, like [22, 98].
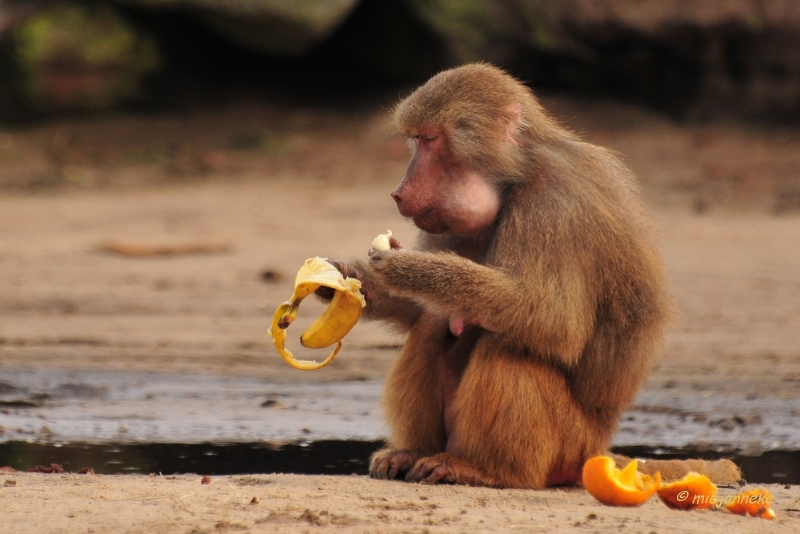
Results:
[463, 124]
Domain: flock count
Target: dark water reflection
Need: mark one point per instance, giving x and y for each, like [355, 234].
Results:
[320, 457]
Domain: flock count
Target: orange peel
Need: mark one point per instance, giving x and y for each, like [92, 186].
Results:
[755, 502]
[618, 487]
[692, 492]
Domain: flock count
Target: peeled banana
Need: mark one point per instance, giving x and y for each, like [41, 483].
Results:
[382, 242]
[338, 319]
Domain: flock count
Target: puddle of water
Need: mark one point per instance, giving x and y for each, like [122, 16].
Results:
[321, 457]
[103, 407]
[316, 458]
[62, 406]
[726, 421]
[169, 423]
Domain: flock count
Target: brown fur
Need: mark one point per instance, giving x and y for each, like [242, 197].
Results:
[564, 292]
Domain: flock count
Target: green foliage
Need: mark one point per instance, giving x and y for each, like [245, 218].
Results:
[480, 29]
[467, 24]
[82, 56]
[539, 31]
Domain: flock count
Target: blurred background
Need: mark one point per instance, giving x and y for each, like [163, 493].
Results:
[167, 165]
[694, 60]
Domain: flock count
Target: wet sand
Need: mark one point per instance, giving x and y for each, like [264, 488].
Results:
[175, 349]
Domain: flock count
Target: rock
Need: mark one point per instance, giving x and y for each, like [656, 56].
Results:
[696, 58]
[274, 26]
[741, 54]
[718, 55]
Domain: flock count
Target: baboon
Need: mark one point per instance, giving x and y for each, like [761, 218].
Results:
[534, 299]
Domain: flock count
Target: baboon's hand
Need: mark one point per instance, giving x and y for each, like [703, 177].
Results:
[349, 270]
[406, 271]
[394, 244]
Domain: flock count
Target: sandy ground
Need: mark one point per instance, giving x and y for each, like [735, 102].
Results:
[272, 187]
[292, 503]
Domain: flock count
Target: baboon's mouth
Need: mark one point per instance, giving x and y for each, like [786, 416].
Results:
[430, 222]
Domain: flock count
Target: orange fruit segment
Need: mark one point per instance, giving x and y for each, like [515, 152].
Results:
[618, 487]
[754, 502]
[692, 492]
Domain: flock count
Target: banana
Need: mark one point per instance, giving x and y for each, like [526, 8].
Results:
[338, 319]
[382, 241]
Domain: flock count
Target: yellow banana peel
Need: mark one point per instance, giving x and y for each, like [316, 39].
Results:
[338, 319]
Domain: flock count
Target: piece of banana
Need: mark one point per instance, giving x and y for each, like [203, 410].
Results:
[382, 242]
[338, 319]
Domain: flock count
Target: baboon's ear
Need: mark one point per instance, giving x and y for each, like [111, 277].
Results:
[513, 117]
